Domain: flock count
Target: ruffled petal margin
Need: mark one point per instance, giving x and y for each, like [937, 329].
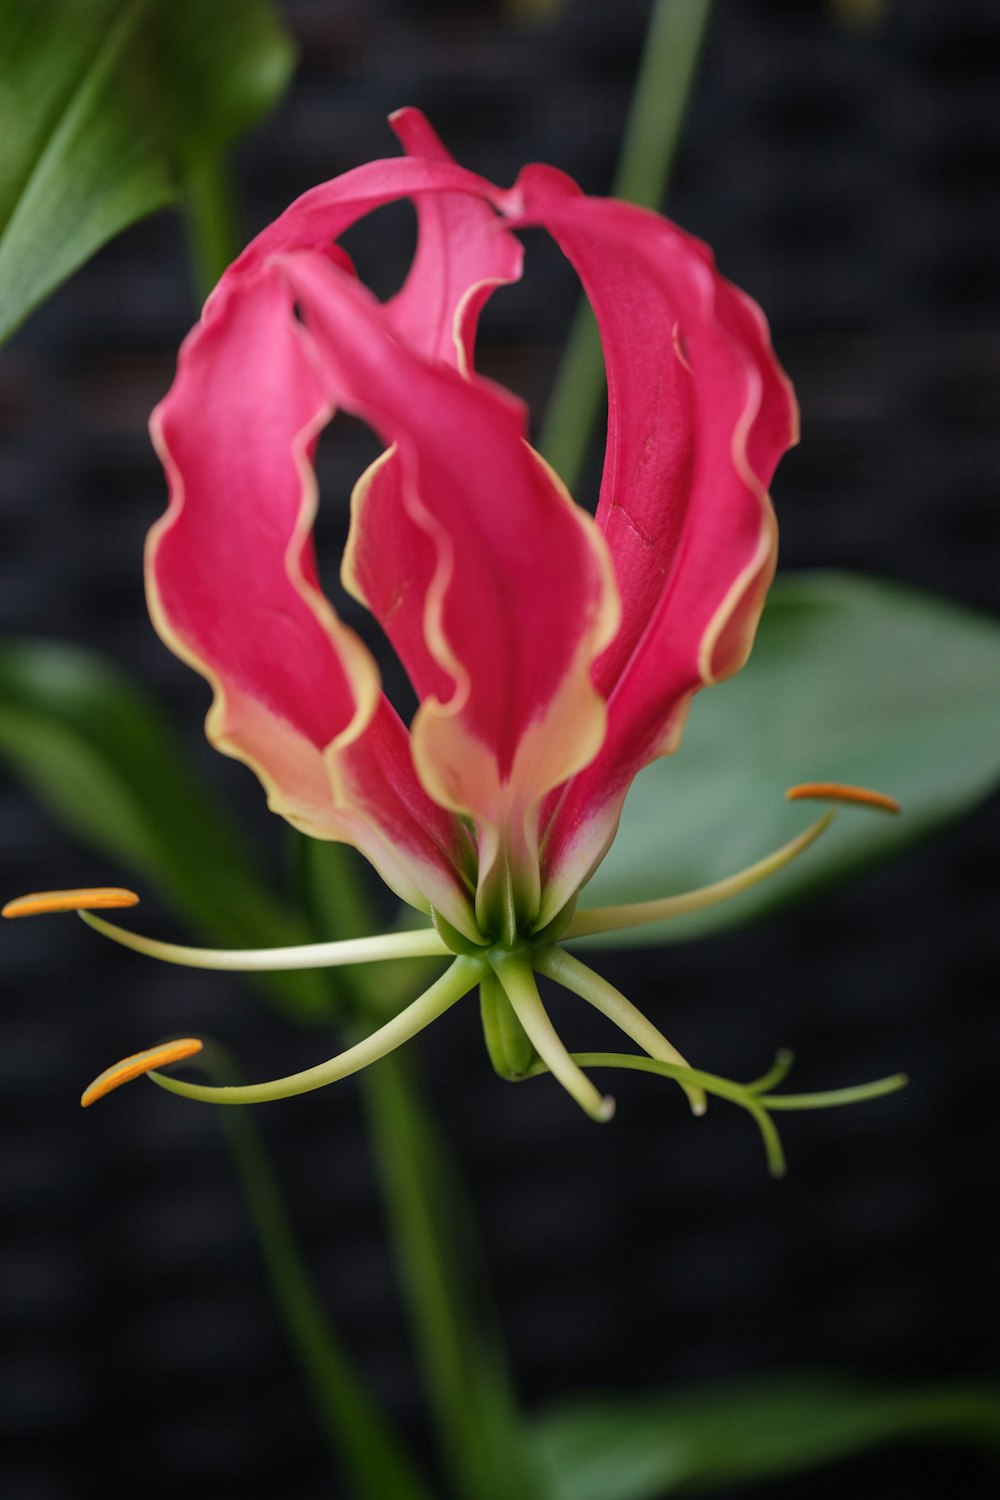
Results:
[233, 591]
[699, 414]
[488, 564]
[503, 599]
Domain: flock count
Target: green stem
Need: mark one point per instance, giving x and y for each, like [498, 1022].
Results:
[652, 134]
[359, 1435]
[215, 232]
[458, 1343]
[444, 1282]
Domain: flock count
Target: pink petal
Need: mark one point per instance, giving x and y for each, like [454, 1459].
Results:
[321, 215]
[463, 254]
[492, 584]
[699, 414]
[232, 589]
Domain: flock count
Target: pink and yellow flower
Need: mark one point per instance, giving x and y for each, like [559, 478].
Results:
[553, 653]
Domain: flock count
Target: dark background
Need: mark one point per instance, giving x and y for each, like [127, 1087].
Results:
[847, 177]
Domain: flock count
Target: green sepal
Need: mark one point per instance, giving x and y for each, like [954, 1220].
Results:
[456, 941]
[511, 1053]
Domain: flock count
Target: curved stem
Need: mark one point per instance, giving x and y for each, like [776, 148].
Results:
[462, 976]
[641, 913]
[424, 943]
[592, 987]
[515, 973]
[458, 1343]
[359, 1433]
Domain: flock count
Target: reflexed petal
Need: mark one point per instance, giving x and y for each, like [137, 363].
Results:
[318, 218]
[463, 254]
[514, 595]
[232, 589]
[699, 413]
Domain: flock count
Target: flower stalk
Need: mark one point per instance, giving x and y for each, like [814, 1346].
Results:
[360, 1435]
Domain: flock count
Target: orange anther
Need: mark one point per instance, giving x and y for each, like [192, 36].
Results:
[835, 791]
[137, 1064]
[87, 898]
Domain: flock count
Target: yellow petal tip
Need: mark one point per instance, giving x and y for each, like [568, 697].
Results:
[835, 791]
[138, 1064]
[84, 898]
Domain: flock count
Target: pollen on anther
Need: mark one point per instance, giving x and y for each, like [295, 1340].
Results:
[835, 791]
[138, 1064]
[85, 898]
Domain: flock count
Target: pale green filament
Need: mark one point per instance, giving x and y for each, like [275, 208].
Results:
[640, 913]
[463, 975]
[424, 943]
[511, 967]
[581, 980]
[756, 1104]
[515, 973]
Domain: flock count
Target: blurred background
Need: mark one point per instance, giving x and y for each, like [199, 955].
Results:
[842, 160]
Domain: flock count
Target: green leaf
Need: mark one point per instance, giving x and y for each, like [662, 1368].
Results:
[110, 109]
[622, 1448]
[99, 755]
[852, 680]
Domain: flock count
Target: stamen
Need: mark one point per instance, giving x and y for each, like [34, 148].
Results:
[835, 791]
[592, 987]
[463, 976]
[424, 943]
[639, 913]
[136, 1065]
[86, 898]
[518, 980]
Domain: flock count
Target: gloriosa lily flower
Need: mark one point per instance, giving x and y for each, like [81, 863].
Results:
[554, 654]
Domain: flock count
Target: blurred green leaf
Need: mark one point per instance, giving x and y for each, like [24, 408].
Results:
[853, 680]
[110, 108]
[624, 1448]
[99, 755]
